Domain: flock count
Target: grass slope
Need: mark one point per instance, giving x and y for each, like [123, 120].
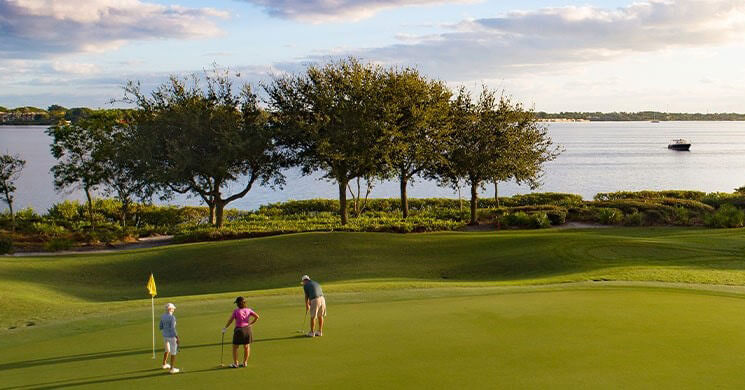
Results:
[71, 286]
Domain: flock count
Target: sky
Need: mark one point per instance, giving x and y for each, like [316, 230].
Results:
[553, 55]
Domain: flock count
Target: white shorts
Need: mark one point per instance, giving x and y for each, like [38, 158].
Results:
[171, 345]
[318, 307]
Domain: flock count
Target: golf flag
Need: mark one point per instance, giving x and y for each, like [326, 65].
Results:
[151, 286]
[153, 292]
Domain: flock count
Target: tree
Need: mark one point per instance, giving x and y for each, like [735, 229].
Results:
[114, 151]
[76, 114]
[194, 137]
[330, 119]
[75, 146]
[10, 170]
[417, 125]
[492, 138]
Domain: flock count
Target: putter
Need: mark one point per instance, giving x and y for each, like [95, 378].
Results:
[222, 349]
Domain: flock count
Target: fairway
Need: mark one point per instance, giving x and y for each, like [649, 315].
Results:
[600, 337]
[605, 308]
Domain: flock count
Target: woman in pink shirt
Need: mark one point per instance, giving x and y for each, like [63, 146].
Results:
[242, 334]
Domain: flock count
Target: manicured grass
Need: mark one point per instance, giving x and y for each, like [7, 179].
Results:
[441, 310]
[571, 338]
[71, 286]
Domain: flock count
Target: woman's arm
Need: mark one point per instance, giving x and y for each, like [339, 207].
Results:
[255, 318]
[230, 321]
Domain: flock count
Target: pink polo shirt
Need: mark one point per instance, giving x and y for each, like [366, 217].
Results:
[241, 317]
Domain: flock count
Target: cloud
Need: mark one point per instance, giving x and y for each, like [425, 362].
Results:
[317, 11]
[41, 28]
[549, 38]
[75, 68]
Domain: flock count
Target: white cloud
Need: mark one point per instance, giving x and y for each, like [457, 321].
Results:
[75, 68]
[551, 38]
[38, 28]
[317, 11]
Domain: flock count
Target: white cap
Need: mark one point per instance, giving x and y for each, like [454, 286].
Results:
[170, 306]
[305, 277]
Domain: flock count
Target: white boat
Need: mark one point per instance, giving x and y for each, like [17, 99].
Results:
[679, 144]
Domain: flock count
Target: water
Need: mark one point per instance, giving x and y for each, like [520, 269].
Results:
[598, 157]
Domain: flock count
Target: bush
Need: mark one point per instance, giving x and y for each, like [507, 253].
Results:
[675, 194]
[58, 244]
[67, 210]
[609, 216]
[681, 216]
[634, 219]
[522, 219]
[47, 230]
[6, 245]
[717, 199]
[727, 216]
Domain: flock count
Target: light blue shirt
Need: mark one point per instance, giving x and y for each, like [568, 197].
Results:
[168, 325]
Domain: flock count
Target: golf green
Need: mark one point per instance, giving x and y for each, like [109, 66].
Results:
[568, 337]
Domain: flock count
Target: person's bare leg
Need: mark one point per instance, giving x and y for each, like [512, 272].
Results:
[173, 361]
[246, 352]
[235, 354]
[312, 325]
[165, 358]
[320, 324]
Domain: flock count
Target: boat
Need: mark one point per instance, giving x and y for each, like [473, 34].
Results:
[679, 144]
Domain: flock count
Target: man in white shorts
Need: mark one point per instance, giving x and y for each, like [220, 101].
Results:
[170, 338]
[315, 304]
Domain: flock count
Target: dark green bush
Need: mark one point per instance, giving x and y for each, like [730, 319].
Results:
[728, 216]
[6, 245]
[633, 219]
[58, 244]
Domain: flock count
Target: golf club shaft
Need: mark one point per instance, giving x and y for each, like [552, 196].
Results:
[222, 348]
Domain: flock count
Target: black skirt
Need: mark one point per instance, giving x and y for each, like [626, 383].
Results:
[242, 336]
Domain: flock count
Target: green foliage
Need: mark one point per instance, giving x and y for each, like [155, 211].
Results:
[199, 137]
[331, 119]
[6, 245]
[727, 216]
[543, 198]
[717, 199]
[634, 219]
[609, 216]
[522, 219]
[47, 230]
[68, 210]
[675, 194]
[58, 244]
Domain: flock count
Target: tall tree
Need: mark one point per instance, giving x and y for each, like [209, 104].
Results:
[10, 170]
[75, 147]
[116, 152]
[197, 137]
[492, 138]
[331, 120]
[417, 125]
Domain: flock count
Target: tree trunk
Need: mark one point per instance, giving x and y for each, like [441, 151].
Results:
[125, 209]
[404, 197]
[12, 216]
[211, 205]
[90, 207]
[219, 207]
[496, 192]
[474, 202]
[343, 200]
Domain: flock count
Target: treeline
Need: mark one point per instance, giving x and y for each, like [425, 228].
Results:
[641, 116]
[29, 115]
[354, 123]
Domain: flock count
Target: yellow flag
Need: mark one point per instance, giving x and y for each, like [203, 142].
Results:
[151, 286]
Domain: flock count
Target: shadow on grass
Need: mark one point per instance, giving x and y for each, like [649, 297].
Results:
[116, 354]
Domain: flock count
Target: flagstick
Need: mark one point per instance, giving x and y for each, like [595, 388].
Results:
[152, 304]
